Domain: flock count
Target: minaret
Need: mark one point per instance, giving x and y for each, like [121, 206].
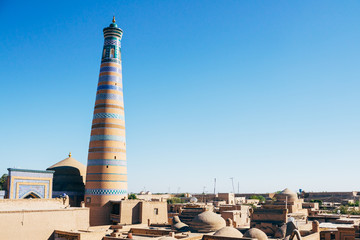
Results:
[106, 177]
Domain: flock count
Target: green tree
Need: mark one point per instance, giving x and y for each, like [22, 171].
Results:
[3, 180]
[259, 197]
[343, 209]
[132, 196]
[318, 201]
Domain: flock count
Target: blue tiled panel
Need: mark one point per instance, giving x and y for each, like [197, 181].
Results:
[25, 181]
[26, 189]
[23, 186]
[31, 174]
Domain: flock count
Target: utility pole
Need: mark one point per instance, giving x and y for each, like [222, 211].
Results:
[214, 186]
[204, 194]
[214, 189]
[232, 181]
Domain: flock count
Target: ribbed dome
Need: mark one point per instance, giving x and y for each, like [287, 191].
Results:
[255, 233]
[207, 222]
[291, 196]
[228, 232]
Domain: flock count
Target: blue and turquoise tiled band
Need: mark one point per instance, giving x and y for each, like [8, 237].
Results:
[107, 138]
[110, 69]
[112, 41]
[102, 96]
[109, 78]
[110, 60]
[107, 105]
[105, 162]
[105, 191]
[109, 87]
[109, 115]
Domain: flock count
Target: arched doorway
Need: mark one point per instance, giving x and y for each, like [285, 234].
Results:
[31, 195]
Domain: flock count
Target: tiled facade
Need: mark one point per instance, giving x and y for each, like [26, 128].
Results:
[106, 169]
[23, 183]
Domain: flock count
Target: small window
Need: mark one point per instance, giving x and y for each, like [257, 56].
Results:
[156, 211]
[112, 53]
[88, 200]
[104, 53]
[107, 166]
[114, 157]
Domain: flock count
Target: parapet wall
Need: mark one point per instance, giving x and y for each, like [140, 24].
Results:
[32, 204]
[40, 224]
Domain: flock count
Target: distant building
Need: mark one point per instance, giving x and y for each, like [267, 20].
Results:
[154, 197]
[331, 197]
[139, 211]
[274, 214]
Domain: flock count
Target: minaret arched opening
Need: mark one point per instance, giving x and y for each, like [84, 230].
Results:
[112, 51]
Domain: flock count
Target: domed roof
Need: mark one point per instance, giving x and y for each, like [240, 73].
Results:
[207, 222]
[255, 233]
[178, 225]
[181, 227]
[228, 232]
[291, 196]
[70, 162]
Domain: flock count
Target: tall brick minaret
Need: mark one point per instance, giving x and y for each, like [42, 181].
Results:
[106, 177]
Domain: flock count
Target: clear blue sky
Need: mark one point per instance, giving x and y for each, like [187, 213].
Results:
[266, 92]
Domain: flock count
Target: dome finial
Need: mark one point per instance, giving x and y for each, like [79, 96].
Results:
[69, 154]
[113, 19]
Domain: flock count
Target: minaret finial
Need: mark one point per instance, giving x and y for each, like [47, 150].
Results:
[113, 19]
[69, 154]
